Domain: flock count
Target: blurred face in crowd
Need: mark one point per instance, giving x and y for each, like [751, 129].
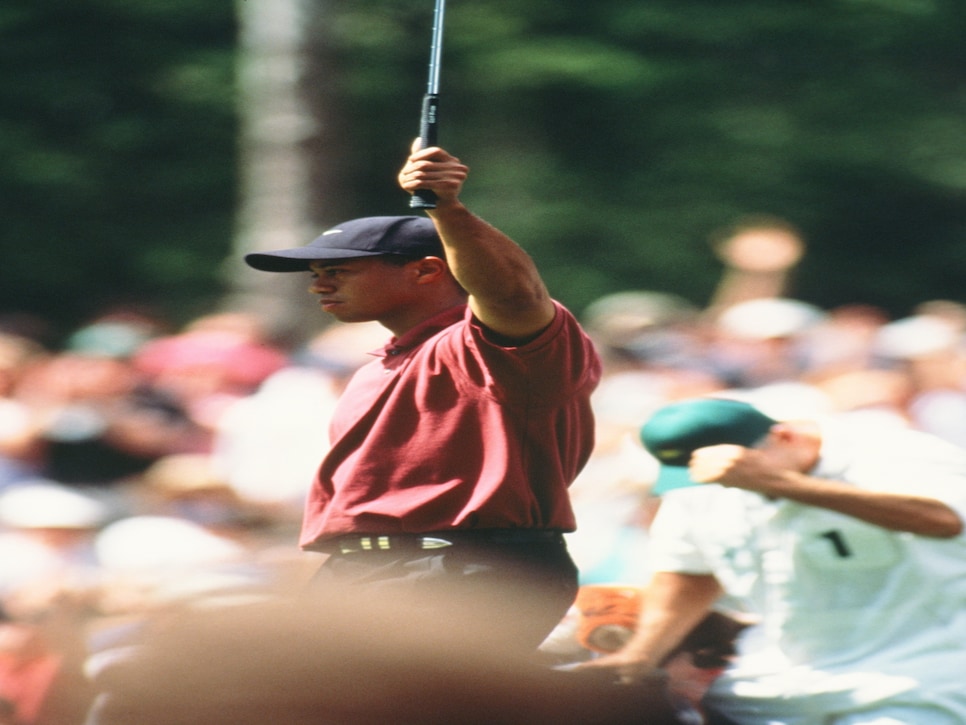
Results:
[74, 377]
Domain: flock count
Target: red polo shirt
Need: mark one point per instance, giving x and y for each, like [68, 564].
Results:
[448, 430]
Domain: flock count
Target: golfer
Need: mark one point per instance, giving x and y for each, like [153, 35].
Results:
[453, 449]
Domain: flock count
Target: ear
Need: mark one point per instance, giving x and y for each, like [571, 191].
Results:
[803, 439]
[783, 432]
[429, 270]
[801, 434]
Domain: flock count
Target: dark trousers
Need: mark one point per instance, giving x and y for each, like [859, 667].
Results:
[499, 595]
[716, 719]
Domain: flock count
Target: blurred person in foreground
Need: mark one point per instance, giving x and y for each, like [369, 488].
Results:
[351, 663]
[846, 542]
[452, 451]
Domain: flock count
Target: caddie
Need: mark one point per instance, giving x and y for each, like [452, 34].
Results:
[847, 543]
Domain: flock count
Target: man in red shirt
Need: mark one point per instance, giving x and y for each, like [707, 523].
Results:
[452, 451]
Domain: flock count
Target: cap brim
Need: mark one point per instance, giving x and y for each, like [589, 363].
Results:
[298, 259]
[670, 478]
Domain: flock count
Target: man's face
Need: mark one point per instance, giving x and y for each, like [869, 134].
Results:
[361, 289]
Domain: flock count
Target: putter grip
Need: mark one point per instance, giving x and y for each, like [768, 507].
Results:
[424, 198]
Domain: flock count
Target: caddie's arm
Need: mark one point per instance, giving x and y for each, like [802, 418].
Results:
[775, 475]
[506, 292]
[674, 603]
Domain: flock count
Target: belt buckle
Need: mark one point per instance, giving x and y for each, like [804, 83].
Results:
[432, 542]
[348, 547]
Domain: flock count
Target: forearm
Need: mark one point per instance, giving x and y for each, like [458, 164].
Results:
[506, 291]
[673, 605]
[777, 470]
[913, 514]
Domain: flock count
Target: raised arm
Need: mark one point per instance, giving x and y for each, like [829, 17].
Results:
[780, 466]
[506, 292]
[739, 468]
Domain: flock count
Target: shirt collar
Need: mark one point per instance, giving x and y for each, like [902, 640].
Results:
[423, 331]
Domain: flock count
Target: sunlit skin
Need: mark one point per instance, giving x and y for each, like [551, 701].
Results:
[497, 278]
[399, 297]
[507, 294]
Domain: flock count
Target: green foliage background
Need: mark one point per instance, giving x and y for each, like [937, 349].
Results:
[610, 138]
[117, 155]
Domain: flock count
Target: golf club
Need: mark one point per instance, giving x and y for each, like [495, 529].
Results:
[429, 118]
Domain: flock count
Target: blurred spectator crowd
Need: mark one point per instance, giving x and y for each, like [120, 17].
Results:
[145, 470]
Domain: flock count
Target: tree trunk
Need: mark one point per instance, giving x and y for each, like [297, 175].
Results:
[286, 160]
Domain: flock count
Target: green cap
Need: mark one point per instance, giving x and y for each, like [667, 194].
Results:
[675, 431]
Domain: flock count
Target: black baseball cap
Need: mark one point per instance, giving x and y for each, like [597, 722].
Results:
[408, 236]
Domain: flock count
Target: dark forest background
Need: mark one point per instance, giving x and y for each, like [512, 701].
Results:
[612, 139]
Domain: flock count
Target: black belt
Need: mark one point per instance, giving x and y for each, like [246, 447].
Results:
[353, 544]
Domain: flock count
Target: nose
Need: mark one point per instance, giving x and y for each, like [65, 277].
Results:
[319, 286]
